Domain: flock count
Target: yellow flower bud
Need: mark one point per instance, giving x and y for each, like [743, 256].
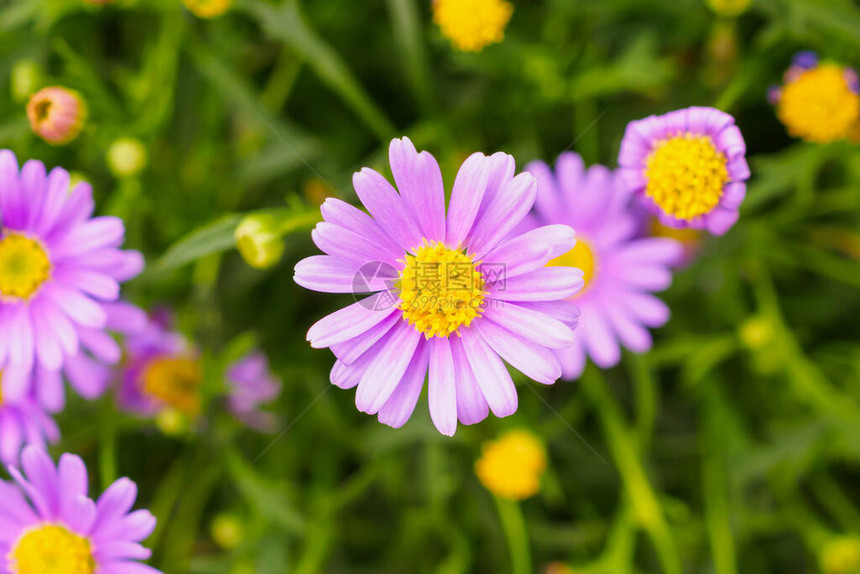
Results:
[127, 157]
[259, 240]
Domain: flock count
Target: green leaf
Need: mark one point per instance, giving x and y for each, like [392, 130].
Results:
[212, 238]
[287, 23]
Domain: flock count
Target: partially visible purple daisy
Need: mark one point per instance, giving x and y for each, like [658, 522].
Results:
[620, 270]
[250, 385]
[23, 422]
[60, 274]
[160, 370]
[452, 294]
[49, 525]
[688, 167]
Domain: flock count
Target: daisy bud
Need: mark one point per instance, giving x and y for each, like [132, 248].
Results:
[511, 467]
[126, 157]
[25, 79]
[56, 114]
[259, 240]
[841, 555]
[729, 8]
[208, 8]
[227, 531]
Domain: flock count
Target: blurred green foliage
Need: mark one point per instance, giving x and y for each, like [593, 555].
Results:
[734, 446]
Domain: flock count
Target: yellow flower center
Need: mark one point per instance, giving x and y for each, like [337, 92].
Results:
[581, 257]
[472, 24]
[819, 105]
[512, 466]
[24, 266]
[686, 175]
[440, 290]
[175, 381]
[51, 549]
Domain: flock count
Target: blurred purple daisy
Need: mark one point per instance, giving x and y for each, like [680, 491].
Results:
[250, 385]
[49, 525]
[23, 422]
[453, 295]
[688, 167]
[60, 272]
[620, 269]
[161, 370]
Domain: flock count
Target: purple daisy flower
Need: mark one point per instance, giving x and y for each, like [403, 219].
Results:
[160, 370]
[60, 275]
[453, 294]
[688, 167]
[23, 422]
[620, 269]
[49, 524]
[251, 384]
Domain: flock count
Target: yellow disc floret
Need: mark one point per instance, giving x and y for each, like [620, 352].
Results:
[471, 25]
[51, 549]
[581, 257]
[819, 105]
[686, 175]
[512, 466]
[441, 289]
[175, 382]
[24, 266]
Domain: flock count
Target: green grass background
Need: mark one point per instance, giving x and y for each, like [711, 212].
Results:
[732, 447]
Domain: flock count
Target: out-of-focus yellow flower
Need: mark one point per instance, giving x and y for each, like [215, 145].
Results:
[26, 77]
[511, 466]
[259, 241]
[841, 555]
[729, 7]
[208, 8]
[56, 114]
[471, 25]
[126, 157]
[228, 531]
[819, 104]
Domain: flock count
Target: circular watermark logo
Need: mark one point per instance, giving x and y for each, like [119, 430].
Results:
[376, 277]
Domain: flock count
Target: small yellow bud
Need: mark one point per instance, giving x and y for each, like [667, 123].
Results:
[208, 8]
[127, 157]
[171, 422]
[259, 241]
[26, 77]
[227, 531]
[729, 7]
[756, 332]
[841, 555]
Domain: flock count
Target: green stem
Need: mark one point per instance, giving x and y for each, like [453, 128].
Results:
[646, 399]
[516, 534]
[714, 483]
[623, 450]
